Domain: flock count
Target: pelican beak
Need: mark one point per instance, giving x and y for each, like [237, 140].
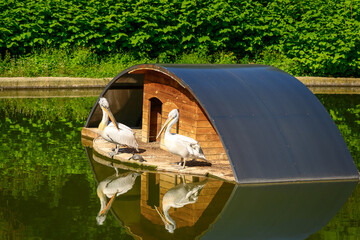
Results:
[162, 216]
[164, 127]
[108, 205]
[111, 116]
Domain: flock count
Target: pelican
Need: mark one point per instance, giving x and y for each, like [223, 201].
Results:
[177, 197]
[114, 132]
[180, 145]
[112, 187]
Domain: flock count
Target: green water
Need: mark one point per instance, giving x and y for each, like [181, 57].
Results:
[47, 186]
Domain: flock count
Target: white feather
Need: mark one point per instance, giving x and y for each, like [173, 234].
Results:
[181, 145]
[124, 135]
[178, 197]
[120, 135]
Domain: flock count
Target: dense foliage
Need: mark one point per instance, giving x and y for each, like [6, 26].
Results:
[317, 37]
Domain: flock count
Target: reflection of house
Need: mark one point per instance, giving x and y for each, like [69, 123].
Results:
[192, 219]
[186, 216]
[135, 209]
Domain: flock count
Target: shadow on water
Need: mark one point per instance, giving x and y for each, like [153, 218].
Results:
[168, 206]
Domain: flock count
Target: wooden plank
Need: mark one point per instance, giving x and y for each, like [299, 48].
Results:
[185, 116]
[167, 179]
[170, 90]
[144, 192]
[170, 83]
[180, 106]
[90, 133]
[213, 150]
[217, 157]
[191, 114]
[173, 94]
[188, 134]
[206, 130]
[210, 144]
[200, 205]
[145, 122]
[187, 128]
[187, 121]
[166, 186]
[213, 183]
[154, 76]
[204, 124]
[208, 193]
[166, 96]
[201, 114]
[207, 137]
[167, 183]
[86, 142]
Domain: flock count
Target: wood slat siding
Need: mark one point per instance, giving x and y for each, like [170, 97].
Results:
[185, 216]
[192, 122]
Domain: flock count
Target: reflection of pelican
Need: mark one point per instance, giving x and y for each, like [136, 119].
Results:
[112, 187]
[114, 132]
[178, 197]
[183, 146]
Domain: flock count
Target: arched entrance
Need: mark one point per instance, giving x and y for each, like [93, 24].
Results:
[155, 118]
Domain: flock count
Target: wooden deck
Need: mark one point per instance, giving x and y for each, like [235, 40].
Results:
[156, 158]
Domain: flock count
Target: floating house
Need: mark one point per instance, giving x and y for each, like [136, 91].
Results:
[255, 123]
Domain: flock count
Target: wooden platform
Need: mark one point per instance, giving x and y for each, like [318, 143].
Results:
[156, 158]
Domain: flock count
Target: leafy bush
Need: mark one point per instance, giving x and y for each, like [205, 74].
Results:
[318, 37]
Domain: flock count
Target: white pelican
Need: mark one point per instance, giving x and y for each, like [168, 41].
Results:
[114, 132]
[178, 197]
[177, 144]
[112, 187]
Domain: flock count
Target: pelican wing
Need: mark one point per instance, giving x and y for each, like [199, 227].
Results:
[120, 126]
[191, 145]
[124, 127]
[121, 184]
[194, 192]
[186, 140]
[123, 136]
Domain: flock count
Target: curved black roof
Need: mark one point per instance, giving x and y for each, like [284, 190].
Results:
[272, 127]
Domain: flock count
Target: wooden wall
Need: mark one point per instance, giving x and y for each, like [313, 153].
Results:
[192, 121]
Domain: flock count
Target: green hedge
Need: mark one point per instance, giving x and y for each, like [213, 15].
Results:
[320, 37]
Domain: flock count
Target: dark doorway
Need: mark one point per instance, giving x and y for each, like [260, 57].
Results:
[155, 118]
[153, 190]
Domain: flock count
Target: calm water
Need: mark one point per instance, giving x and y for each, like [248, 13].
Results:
[49, 183]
